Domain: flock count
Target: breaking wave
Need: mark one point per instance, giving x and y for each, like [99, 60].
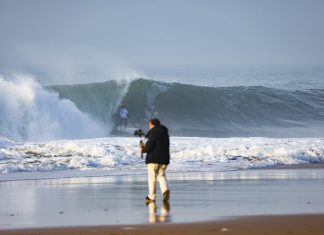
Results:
[190, 110]
[29, 112]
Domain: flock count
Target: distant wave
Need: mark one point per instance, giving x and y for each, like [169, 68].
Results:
[190, 110]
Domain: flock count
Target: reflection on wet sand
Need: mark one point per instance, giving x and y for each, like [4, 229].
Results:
[160, 216]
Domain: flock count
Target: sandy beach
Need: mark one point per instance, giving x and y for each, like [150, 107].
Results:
[268, 201]
[279, 225]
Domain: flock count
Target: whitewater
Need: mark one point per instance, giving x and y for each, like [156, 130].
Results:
[57, 131]
[120, 156]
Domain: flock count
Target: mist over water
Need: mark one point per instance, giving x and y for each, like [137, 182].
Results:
[280, 77]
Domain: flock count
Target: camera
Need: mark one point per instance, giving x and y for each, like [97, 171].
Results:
[139, 133]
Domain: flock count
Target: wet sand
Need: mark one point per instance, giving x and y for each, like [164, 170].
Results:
[271, 201]
[276, 225]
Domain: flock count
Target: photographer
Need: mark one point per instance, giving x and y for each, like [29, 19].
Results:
[157, 159]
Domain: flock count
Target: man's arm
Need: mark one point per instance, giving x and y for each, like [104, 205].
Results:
[149, 145]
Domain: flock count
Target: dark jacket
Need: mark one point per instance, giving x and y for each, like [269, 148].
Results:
[157, 146]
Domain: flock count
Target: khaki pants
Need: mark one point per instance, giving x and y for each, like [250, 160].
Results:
[156, 172]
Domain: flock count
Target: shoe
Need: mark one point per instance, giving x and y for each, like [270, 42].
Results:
[166, 195]
[149, 200]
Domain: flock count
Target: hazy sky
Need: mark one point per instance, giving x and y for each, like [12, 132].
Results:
[40, 34]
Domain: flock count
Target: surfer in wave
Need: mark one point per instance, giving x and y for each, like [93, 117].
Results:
[123, 114]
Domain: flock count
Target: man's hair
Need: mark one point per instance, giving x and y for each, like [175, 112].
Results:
[155, 122]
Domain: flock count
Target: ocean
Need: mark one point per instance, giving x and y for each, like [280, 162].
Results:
[219, 120]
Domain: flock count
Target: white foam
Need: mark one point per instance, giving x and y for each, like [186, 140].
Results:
[29, 112]
[121, 155]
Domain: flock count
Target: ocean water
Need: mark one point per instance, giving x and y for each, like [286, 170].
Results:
[219, 120]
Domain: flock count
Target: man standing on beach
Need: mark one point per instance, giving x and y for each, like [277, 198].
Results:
[157, 159]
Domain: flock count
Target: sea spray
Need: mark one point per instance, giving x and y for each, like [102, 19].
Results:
[28, 112]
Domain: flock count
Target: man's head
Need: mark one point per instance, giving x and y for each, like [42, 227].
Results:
[154, 122]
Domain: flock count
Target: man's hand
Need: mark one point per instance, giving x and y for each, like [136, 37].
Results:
[142, 145]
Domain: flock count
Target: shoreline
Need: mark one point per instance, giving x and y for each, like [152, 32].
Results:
[196, 198]
[302, 224]
[26, 176]
[300, 166]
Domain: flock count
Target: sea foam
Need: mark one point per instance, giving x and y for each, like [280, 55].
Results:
[121, 155]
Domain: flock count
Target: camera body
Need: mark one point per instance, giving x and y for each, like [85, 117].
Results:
[139, 133]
